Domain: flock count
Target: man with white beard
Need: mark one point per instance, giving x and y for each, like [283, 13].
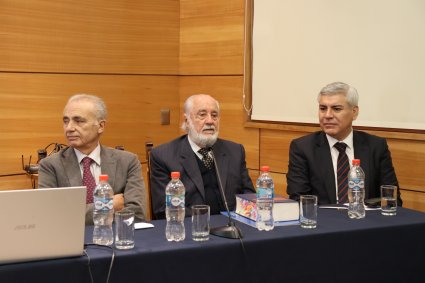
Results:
[191, 155]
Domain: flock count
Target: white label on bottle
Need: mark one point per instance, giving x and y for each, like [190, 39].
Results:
[103, 204]
[265, 192]
[175, 200]
[356, 183]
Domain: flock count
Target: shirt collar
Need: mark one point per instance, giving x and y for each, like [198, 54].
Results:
[348, 140]
[194, 146]
[95, 155]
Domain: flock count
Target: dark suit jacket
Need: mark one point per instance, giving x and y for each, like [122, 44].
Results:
[311, 171]
[177, 155]
[123, 168]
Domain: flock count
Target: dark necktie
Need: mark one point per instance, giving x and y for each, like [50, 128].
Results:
[343, 167]
[206, 158]
[88, 179]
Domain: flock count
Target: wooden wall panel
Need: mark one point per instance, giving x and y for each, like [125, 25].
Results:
[211, 37]
[274, 148]
[32, 105]
[227, 90]
[17, 182]
[94, 36]
[211, 43]
[279, 184]
[413, 200]
[409, 162]
[50, 50]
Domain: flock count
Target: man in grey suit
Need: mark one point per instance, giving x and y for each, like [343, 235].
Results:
[191, 156]
[84, 119]
[313, 159]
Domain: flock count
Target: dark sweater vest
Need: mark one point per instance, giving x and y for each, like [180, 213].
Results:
[212, 191]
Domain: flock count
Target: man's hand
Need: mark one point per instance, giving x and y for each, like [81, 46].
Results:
[118, 202]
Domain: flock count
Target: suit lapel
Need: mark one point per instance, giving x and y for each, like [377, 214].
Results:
[108, 164]
[361, 151]
[327, 169]
[71, 167]
[190, 165]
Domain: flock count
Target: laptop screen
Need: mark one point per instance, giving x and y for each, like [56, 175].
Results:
[42, 223]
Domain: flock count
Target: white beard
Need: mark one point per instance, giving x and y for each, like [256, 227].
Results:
[200, 139]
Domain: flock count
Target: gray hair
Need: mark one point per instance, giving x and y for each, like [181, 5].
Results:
[348, 91]
[188, 105]
[99, 104]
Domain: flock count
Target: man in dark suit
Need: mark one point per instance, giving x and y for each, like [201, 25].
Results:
[197, 172]
[313, 158]
[84, 119]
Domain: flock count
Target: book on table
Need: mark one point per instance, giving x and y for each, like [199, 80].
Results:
[253, 223]
[284, 209]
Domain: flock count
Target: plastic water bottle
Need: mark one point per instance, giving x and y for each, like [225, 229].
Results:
[103, 211]
[265, 195]
[265, 185]
[356, 192]
[175, 209]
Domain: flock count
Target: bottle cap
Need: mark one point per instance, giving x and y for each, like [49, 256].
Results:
[103, 177]
[356, 162]
[175, 175]
[265, 168]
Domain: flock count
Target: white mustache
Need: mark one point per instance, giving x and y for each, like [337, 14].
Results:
[208, 128]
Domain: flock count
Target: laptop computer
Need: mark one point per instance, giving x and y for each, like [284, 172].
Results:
[42, 223]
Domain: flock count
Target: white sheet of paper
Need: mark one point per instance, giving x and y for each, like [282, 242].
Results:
[345, 207]
[142, 225]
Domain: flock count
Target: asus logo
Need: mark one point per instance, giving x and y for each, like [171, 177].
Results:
[24, 227]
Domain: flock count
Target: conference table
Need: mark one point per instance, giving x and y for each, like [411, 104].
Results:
[374, 249]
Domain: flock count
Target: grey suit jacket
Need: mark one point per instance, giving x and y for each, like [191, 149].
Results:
[123, 168]
[310, 169]
[177, 155]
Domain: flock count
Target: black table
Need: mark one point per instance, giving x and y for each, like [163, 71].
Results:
[375, 249]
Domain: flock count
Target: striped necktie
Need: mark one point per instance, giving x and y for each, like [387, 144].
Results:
[343, 167]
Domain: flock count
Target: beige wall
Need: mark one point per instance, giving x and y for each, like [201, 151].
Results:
[143, 56]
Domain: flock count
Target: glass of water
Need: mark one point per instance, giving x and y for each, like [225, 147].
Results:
[124, 230]
[308, 211]
[388, 200]
[200, 223]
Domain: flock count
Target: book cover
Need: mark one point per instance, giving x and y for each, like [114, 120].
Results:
[284, 209]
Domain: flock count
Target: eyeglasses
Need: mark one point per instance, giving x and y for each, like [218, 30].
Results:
[204, 115]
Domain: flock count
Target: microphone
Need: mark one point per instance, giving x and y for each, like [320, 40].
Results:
[230, 230]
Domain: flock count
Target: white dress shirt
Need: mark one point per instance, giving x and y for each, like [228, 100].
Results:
[195, 148]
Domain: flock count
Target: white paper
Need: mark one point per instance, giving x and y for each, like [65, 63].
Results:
[142, 225]
[345, 207]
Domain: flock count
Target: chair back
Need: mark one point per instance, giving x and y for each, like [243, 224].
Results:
[148, 148]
